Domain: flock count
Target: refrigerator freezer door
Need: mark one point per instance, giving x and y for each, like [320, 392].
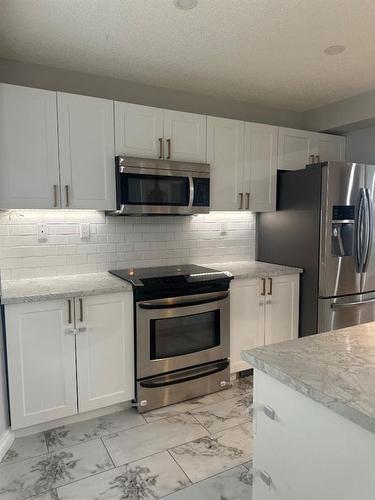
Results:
[345, 311]
[342, 244]
[368, 277]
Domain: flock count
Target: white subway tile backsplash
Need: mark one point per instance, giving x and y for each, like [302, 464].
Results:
[117, 242]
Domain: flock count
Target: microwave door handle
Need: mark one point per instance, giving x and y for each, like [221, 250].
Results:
[191, 192]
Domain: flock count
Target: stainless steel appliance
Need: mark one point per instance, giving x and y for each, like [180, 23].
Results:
[324, 224]
[161, 187]
[181, 332]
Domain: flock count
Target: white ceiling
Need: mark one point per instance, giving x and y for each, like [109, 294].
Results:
[265, 51]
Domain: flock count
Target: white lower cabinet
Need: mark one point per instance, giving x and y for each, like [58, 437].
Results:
[304, 451]
[68, 356]
[105, 354]
[41, 362]
[263, 311]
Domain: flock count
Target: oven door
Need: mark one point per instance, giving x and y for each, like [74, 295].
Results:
[181, 332]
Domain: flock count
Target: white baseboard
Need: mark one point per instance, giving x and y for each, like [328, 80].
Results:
[71, 420]
[6, 441]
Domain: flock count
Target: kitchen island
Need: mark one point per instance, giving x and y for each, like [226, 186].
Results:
[314, 417]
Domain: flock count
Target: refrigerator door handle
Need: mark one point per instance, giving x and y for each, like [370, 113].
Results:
[369, 229]
[338, 305]
[360, 240]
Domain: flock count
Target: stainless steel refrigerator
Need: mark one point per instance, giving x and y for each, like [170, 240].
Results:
[324, 224]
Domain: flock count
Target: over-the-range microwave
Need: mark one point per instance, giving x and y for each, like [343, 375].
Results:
[146, 186]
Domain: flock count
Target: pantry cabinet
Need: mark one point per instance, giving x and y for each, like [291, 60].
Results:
[86, 146]
[29, 160]
[297, 148]
[68, 356]
[149, 132]
[263, 311]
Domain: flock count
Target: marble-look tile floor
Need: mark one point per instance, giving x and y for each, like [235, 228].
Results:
[198, 449]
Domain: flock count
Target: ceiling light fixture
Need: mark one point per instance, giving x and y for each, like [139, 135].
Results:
[333, 50]
[185, 4]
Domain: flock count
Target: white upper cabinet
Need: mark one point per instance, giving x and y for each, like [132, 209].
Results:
[138, 130]
[298, 148]
[156, 133]
[331, 147]
[185, 136]
[105, 353]
[41, 362]
[225, 151]
[295, 148]
[29, 165]
[86, 141]
[260, 167]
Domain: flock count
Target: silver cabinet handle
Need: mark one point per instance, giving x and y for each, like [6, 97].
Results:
[169, 149]
[241, 200]
[270, 286]
[67, 195]
[81, 310]
[247, 201]
[69, 311]
[160, 147]
[269, 412]
[76, 331]
[55, 201]
[263, 286]
[265, 477]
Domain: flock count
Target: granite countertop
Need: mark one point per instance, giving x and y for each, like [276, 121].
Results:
[254, 269]
[60, 287]
[336, 369]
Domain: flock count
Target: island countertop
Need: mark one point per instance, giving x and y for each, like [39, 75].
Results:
[336, 369]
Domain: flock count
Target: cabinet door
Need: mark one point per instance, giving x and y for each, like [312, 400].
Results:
[225, 144]
[29, 165]
[138, 130]
[295, 148]
[185, 136]
[86, 140]
[331, 147]
[282, 309]
[41, 362]
[105, 353]
[246, 320]
[260, 167]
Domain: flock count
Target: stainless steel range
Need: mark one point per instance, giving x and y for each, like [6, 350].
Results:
[181, 332]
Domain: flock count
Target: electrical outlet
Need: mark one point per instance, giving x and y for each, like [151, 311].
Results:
[42, 232]
[84, 231]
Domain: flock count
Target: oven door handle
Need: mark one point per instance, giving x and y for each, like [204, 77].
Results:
[168, 305]
[185, 375]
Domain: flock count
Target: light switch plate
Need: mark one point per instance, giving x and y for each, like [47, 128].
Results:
[84, 231]
[42, 232]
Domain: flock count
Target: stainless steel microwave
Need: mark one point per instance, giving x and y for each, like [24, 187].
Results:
[146, 186]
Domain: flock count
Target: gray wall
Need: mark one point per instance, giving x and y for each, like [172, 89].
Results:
[343, 116]
[360, 146]
[34, 75]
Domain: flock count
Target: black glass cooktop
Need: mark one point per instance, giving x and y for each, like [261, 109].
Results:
[169, 275]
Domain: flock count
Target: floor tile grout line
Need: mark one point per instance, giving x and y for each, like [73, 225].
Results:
[180, 467]
[4, 464]
[110, 456]
[208, 477]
